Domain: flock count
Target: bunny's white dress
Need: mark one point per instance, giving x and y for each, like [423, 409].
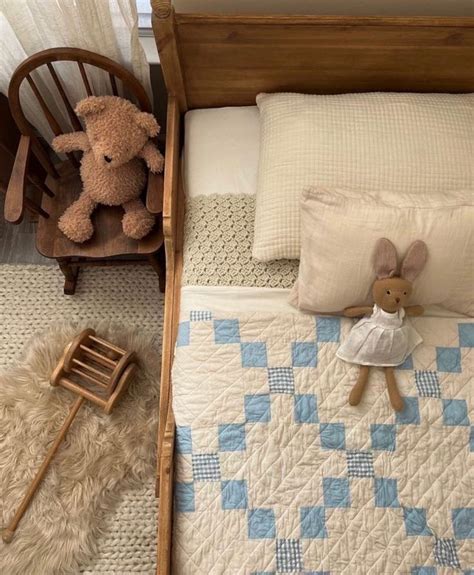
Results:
[381, 340]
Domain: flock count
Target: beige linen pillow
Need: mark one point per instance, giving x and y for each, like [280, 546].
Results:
[416, 143]
[339, 229]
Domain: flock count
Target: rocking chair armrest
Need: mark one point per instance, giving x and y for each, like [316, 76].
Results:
[15, 197]
[154, 193]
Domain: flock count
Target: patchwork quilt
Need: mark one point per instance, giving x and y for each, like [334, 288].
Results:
[275, 472]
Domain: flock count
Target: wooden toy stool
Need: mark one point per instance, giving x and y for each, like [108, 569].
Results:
[93, 369]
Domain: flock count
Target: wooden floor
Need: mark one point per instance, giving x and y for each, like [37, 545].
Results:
[17, 243]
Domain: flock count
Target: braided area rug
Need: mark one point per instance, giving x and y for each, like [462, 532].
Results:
[96, 510]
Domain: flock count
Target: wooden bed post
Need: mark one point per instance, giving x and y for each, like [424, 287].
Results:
[164, 29]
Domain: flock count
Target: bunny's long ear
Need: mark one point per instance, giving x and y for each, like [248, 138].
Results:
[414, 261]
[385, 259]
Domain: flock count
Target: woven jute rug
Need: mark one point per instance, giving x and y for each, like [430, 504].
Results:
[96, 510]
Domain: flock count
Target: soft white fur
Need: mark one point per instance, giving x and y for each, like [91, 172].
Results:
[101, 454]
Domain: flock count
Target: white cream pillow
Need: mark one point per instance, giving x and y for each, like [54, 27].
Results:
[339, 230]
[366, 142]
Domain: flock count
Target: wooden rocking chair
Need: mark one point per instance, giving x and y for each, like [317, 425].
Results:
[109, 245]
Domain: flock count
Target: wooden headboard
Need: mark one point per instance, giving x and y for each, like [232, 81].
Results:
[219, 60]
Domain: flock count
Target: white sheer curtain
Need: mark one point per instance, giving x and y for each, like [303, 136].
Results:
[108, 27]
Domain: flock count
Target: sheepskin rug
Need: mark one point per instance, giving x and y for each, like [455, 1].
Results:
[102, 455]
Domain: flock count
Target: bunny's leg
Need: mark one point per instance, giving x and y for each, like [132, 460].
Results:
[395, 398]
[137, 221]
[358, 389]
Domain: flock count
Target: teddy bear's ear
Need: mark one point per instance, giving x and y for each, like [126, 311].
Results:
[90, 105]
[414, 261]
[385, 259]
[148, 123]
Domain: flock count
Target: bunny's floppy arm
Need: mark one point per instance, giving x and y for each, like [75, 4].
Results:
[71, 142]
[357, 311]
[414, 310]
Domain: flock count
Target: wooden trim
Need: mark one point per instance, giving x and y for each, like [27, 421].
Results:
[42, 155]
[75, 123]
[314, 20]
[166, 442]
[14, 199]
[171, 174]
[164, 28]
[129, 82]
[173, 222]
[161, 8]
[85, 79]
[170, 232]
[154, 193]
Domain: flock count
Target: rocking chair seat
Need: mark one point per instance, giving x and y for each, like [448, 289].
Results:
[108, 240]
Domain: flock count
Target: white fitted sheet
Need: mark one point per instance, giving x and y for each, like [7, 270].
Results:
[221, 151]
[223, 299]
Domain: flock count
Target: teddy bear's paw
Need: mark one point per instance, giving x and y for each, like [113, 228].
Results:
[156, 164]
[77, 229]
[137, 224]
[59, 143]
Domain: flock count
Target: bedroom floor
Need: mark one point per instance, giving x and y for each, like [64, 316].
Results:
[30, 300]
[17, 243]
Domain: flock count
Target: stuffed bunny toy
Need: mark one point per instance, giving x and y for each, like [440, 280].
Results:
[383, 339]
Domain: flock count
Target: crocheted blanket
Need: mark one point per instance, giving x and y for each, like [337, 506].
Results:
[218, 237]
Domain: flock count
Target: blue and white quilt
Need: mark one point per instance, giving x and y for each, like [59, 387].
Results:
[275, 473]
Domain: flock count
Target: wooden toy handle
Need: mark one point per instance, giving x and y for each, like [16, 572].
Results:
[9, 531]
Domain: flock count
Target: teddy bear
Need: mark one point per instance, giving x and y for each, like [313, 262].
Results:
[115, 143]
[382, 338]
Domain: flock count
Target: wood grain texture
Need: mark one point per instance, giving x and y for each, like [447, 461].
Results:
[173, 223]
[129, 82]
[9, 531]
[15, 199]
[227, 61]
[170, 217]
[154, 193]
[75, 123]
[213, 60]
[108, 239]
[85, 79]
[164, 28]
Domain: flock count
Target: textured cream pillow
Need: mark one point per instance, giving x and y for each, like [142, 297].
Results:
[339, 229]
[366, 142]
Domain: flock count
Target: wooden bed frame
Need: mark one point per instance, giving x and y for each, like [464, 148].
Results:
[216, 60]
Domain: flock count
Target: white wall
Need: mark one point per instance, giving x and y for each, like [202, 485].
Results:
[349, 7]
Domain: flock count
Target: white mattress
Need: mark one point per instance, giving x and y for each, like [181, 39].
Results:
[221, 151]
